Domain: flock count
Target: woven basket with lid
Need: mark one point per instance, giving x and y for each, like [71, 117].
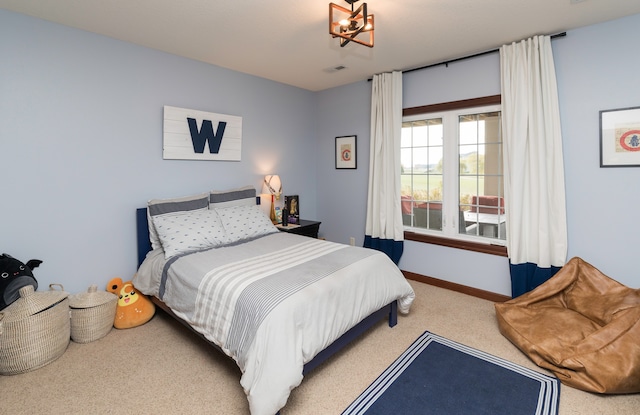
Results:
[92, 314]
[34, 330]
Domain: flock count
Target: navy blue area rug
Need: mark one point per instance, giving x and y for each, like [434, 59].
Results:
[439, 376]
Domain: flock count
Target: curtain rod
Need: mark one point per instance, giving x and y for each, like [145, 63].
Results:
[446, 63]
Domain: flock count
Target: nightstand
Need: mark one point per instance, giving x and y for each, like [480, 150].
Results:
[306, 228]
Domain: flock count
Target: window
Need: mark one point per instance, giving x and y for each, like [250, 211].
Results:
[452, 175]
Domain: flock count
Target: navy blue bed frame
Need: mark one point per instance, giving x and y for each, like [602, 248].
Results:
[390, 310]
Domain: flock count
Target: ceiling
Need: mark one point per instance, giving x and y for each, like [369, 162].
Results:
[289, 41]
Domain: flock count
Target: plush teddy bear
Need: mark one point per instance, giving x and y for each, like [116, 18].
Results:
[134, 308]
[13, 276]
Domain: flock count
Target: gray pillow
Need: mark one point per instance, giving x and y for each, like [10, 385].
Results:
[158, 207]
[245, 222]
[242, 196]
[192, 231]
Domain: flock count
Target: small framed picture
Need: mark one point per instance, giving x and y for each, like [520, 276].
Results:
[292, 204]
[346, 155]
[620, 137]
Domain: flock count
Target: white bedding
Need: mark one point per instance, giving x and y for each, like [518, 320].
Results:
[309, 292]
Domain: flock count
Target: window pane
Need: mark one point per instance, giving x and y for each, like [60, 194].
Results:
[469, 188]
[480, 159]
[434, 212]
[427, 215]
[468, 155]
[436, 137]
[405, 135]
[468, 131]
[493, 159]
[480, 181]
[405, 184]
[435, 188]
[405, 161]
[420, 160]
[486, 217]
[492, 127]
[436, 158]
[420, 133]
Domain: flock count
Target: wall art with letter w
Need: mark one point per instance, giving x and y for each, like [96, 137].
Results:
[198, 135]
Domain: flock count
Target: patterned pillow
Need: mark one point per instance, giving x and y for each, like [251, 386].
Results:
[157, 207]
[245, 222]
[186, 232]
[243, 196]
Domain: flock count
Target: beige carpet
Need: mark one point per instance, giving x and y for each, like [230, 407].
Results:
[162, 368]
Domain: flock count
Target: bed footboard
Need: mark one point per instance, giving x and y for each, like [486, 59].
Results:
[390, 310]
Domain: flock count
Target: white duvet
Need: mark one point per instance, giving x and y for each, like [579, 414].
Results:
[275, 302]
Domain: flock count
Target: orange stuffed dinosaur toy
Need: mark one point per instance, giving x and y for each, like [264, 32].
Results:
[134, 308]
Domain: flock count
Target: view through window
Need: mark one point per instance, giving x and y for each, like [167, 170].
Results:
[452, 173]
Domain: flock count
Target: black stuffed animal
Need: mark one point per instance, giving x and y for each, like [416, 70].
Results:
[13, 276]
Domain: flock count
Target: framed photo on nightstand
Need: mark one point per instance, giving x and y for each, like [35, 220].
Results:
[291, 203]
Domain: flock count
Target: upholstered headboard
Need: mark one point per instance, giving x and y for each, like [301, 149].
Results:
[142, 230]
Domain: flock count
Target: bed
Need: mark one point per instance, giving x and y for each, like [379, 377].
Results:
[278, 304]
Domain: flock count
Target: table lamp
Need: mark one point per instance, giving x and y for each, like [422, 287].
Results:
[273, 186]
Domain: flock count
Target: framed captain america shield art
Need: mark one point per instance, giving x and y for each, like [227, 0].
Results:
[620, 137]
[346, 152]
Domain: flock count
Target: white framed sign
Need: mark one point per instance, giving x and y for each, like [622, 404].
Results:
[198, 135]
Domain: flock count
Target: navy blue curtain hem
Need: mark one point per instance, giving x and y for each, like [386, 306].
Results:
[525, 277]
[392, 248]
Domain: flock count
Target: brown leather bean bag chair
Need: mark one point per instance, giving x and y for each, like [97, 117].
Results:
[581, 325]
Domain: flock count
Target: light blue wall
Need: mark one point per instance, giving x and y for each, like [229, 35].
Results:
[596, 70]
[342, 193]
[81, 144]
[81, 148]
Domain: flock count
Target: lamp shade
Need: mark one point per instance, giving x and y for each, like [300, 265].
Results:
[272, 185]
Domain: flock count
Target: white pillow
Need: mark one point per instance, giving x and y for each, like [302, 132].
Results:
[245, 222]
[157, 207]
[192, 231]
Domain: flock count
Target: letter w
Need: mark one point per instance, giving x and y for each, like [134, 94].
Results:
[199, 138]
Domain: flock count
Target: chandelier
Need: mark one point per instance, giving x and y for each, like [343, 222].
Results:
[349, 24]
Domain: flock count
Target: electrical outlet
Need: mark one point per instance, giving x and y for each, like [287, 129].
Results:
[352, 241]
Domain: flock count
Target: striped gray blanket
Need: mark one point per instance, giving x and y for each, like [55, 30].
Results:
[275, 302]
[238, 286]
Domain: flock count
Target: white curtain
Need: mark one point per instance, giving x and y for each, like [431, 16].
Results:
[534, 169]
[384, 229]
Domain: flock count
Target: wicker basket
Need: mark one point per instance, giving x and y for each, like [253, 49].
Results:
[92, 314]
[34, 330]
